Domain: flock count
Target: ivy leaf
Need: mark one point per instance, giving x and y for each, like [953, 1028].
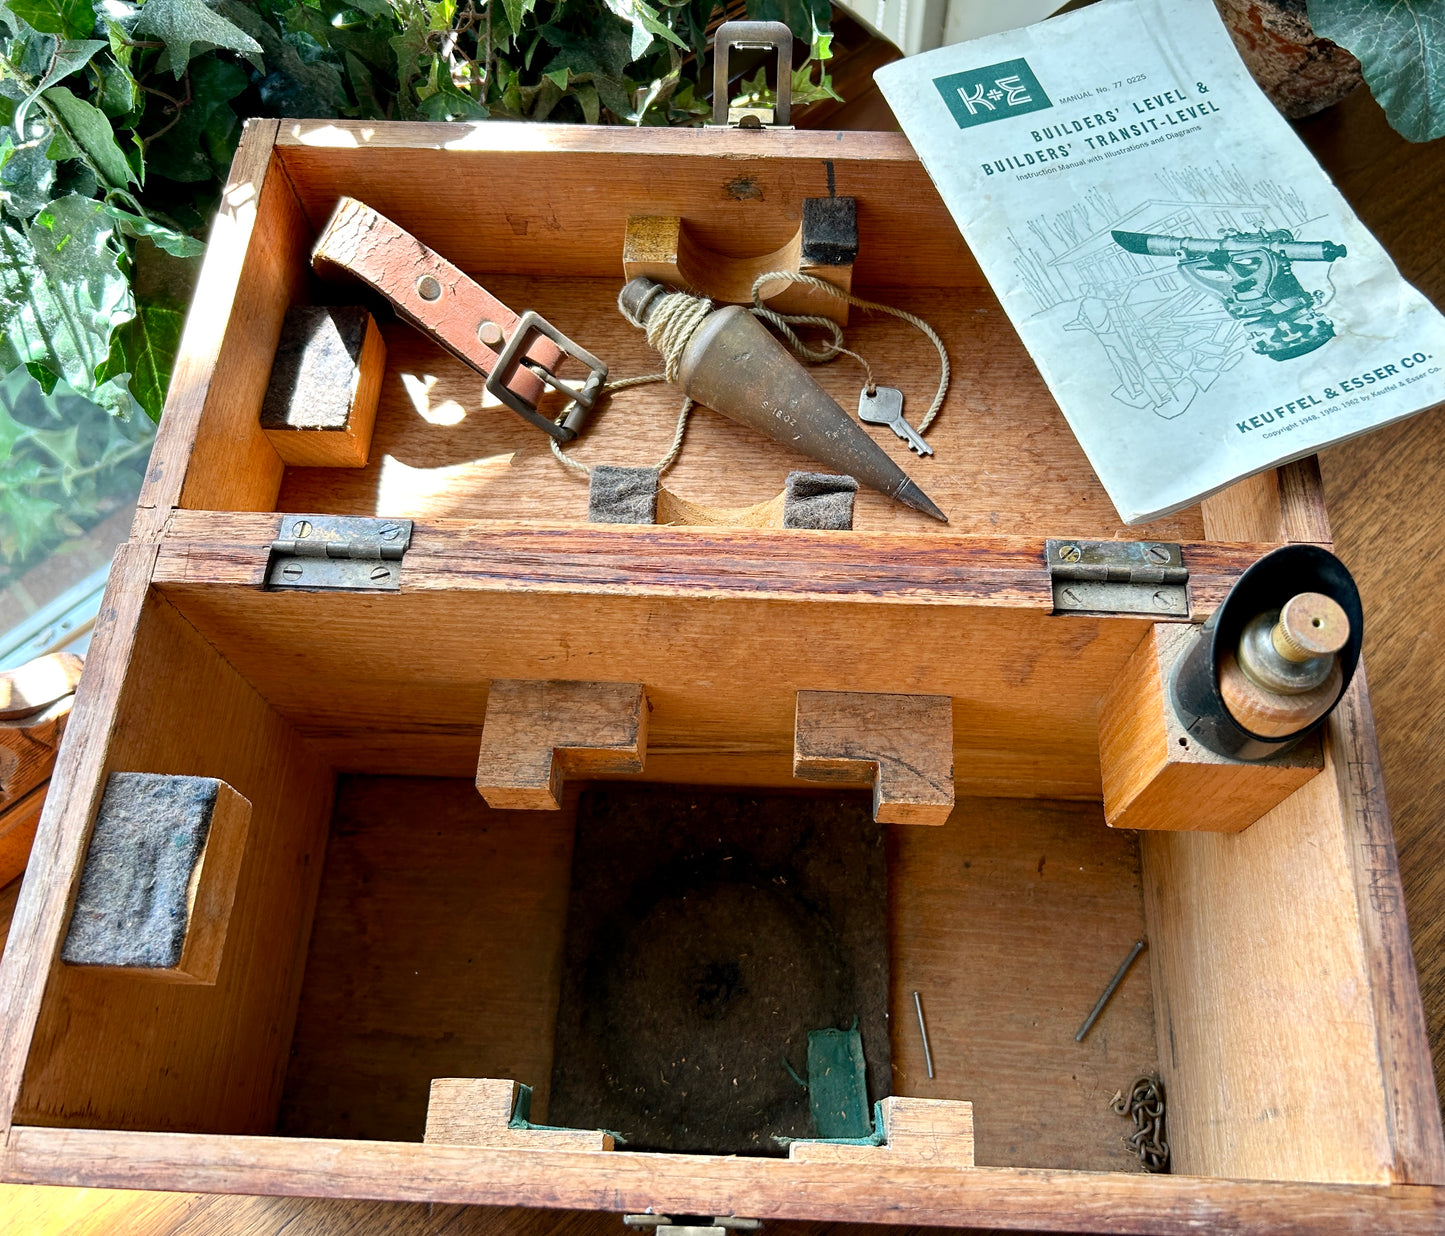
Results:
[1401, 48]
[71, 19]
[200, 144]
[297, 85]
[89, 128]
[118, 91]
[589, 102]
[516, 10]
[62, 457]
[62, 293]
[645, 23]
[145, 348]
[188, 28]
[177, 244]
[70, 56]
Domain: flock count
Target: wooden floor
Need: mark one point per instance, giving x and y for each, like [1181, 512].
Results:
[1386, 495]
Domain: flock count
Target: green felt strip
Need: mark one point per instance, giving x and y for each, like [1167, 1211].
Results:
[838, 1085]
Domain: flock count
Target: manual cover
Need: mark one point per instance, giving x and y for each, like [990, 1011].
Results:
[1201, 301]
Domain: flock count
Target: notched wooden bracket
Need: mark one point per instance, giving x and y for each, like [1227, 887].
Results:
[660, 247]
[538, 732]
[478, 1111]
[1156, 776]
[917, 1133]
[160, 878]
[901, 745]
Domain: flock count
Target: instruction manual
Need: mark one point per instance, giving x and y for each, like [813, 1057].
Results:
[1200, 299]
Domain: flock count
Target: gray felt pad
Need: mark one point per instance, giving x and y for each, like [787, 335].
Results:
[622, 495]
[819, 500]
[314, 374]
[131, 910]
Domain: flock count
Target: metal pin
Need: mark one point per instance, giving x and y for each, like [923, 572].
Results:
[923, 1030]
[1114, 982]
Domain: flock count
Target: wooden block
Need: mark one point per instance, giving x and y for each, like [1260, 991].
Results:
[902, 745]
[17, 833]
[28, 747]
[477, 1111]
[38, 684]
[536, 732]
[918, 1133]
[661, 247]
[138, 908]
[320, 406]
[1158, 777]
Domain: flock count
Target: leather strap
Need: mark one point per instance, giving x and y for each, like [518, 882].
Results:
[460, 315]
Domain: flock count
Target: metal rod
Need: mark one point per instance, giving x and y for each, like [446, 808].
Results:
[923, 1030]
[1118, 978]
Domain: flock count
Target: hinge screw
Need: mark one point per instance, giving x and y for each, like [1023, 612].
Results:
[1163, 600]
[1070, 553]
[390, 532]
[302, 527]
[291, 570]
[1157, 553]
[380, 573]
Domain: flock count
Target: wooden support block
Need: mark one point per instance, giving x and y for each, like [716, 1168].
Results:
[917, 1133]
[160, 878]
[38, 684]
[17, 833]
[27, 749]
[477, 1111]
[1156, 776]
[537, 732]
[320, 405]
[901, 745]
[660, 247]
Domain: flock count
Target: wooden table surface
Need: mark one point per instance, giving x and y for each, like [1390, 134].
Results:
[1386, 494]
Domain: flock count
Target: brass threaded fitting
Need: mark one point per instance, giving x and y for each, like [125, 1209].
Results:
[1310, 625]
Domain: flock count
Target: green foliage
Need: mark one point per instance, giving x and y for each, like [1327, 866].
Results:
[61, 465]
[119, 119]
[1401, 48]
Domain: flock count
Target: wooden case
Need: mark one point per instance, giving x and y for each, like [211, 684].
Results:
[1279, 1001]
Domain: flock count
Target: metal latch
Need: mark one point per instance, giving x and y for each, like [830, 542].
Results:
[1119, 577]
[338, 552]
[690, 1225]
[759, 36]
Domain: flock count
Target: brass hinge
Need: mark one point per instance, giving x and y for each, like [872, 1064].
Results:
[338, 553]
[1119, 577]
[665, 1225]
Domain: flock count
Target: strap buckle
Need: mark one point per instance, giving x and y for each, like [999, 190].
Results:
[514, 354]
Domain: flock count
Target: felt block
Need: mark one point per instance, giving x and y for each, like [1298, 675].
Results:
[622, 495]
[830, 231]
[838, 1084]
[160, 876]
[320, 405]
[818, 500]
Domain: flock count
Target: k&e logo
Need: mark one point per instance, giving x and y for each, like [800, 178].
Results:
[992, 93]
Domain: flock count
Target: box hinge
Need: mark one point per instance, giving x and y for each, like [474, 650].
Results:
[336, 552]
[689, 1225]
[1119, 577]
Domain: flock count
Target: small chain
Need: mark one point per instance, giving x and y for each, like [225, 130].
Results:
[1145, 1103]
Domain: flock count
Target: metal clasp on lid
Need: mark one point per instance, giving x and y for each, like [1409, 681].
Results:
[514, 354]
[764, 35]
